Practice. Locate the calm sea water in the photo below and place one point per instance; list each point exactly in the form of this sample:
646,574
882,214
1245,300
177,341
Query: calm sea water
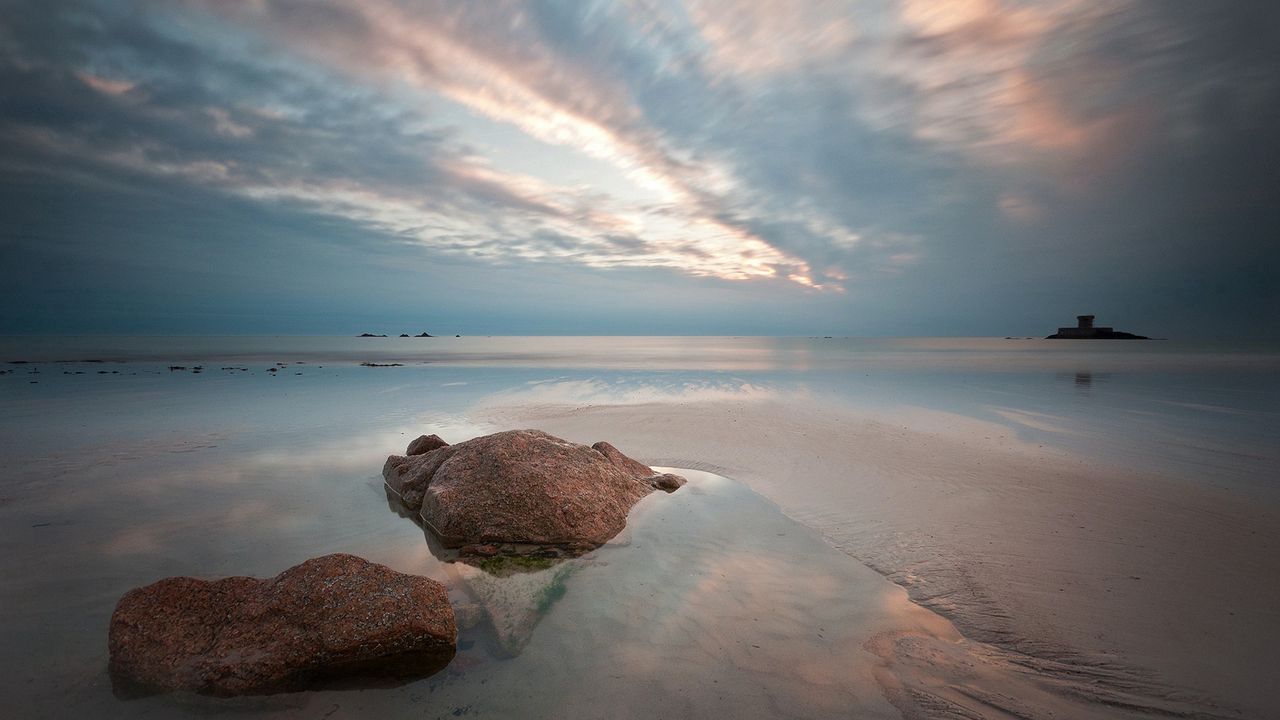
116,470
1182,408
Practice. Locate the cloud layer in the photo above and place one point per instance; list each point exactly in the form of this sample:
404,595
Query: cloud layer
864,165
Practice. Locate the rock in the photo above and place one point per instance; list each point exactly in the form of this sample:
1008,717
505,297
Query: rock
524,487
370,335
337,619
1101,334
408,477
424,334
1086,330
425,443
667,481
622,462
486,550
404,334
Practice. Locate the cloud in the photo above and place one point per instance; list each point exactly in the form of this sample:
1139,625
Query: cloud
514,76
855,149
316,139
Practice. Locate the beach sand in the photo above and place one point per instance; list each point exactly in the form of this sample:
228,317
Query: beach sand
1140,593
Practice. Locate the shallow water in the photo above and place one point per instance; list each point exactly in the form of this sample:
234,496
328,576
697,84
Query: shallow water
1186,409
692,611
114,474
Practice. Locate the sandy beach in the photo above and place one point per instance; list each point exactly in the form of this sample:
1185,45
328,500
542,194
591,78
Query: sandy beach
1142,593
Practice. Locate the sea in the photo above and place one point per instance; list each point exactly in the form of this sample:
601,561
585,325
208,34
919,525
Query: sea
127,459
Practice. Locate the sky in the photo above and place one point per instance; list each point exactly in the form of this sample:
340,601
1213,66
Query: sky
881,168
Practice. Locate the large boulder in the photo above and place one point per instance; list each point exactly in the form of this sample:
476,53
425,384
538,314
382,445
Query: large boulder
337,619
522,486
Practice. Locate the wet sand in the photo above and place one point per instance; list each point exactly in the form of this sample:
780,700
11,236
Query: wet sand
1139,593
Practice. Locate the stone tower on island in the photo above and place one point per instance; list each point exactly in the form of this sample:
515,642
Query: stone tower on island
1085,330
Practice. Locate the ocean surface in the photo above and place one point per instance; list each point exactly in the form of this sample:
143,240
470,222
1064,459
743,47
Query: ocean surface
1210,410
125,460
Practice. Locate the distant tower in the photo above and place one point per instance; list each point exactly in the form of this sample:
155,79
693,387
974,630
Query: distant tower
1085,329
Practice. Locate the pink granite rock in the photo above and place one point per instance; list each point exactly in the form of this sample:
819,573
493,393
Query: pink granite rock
425,444
523,486
337,619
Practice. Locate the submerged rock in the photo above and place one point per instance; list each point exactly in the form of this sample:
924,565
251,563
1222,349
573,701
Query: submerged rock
337,619
521,487
667,482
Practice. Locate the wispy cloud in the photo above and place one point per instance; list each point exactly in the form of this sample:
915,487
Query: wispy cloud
493,60
817,149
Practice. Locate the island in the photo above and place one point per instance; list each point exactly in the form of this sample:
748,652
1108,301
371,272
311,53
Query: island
369,335
1084,330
